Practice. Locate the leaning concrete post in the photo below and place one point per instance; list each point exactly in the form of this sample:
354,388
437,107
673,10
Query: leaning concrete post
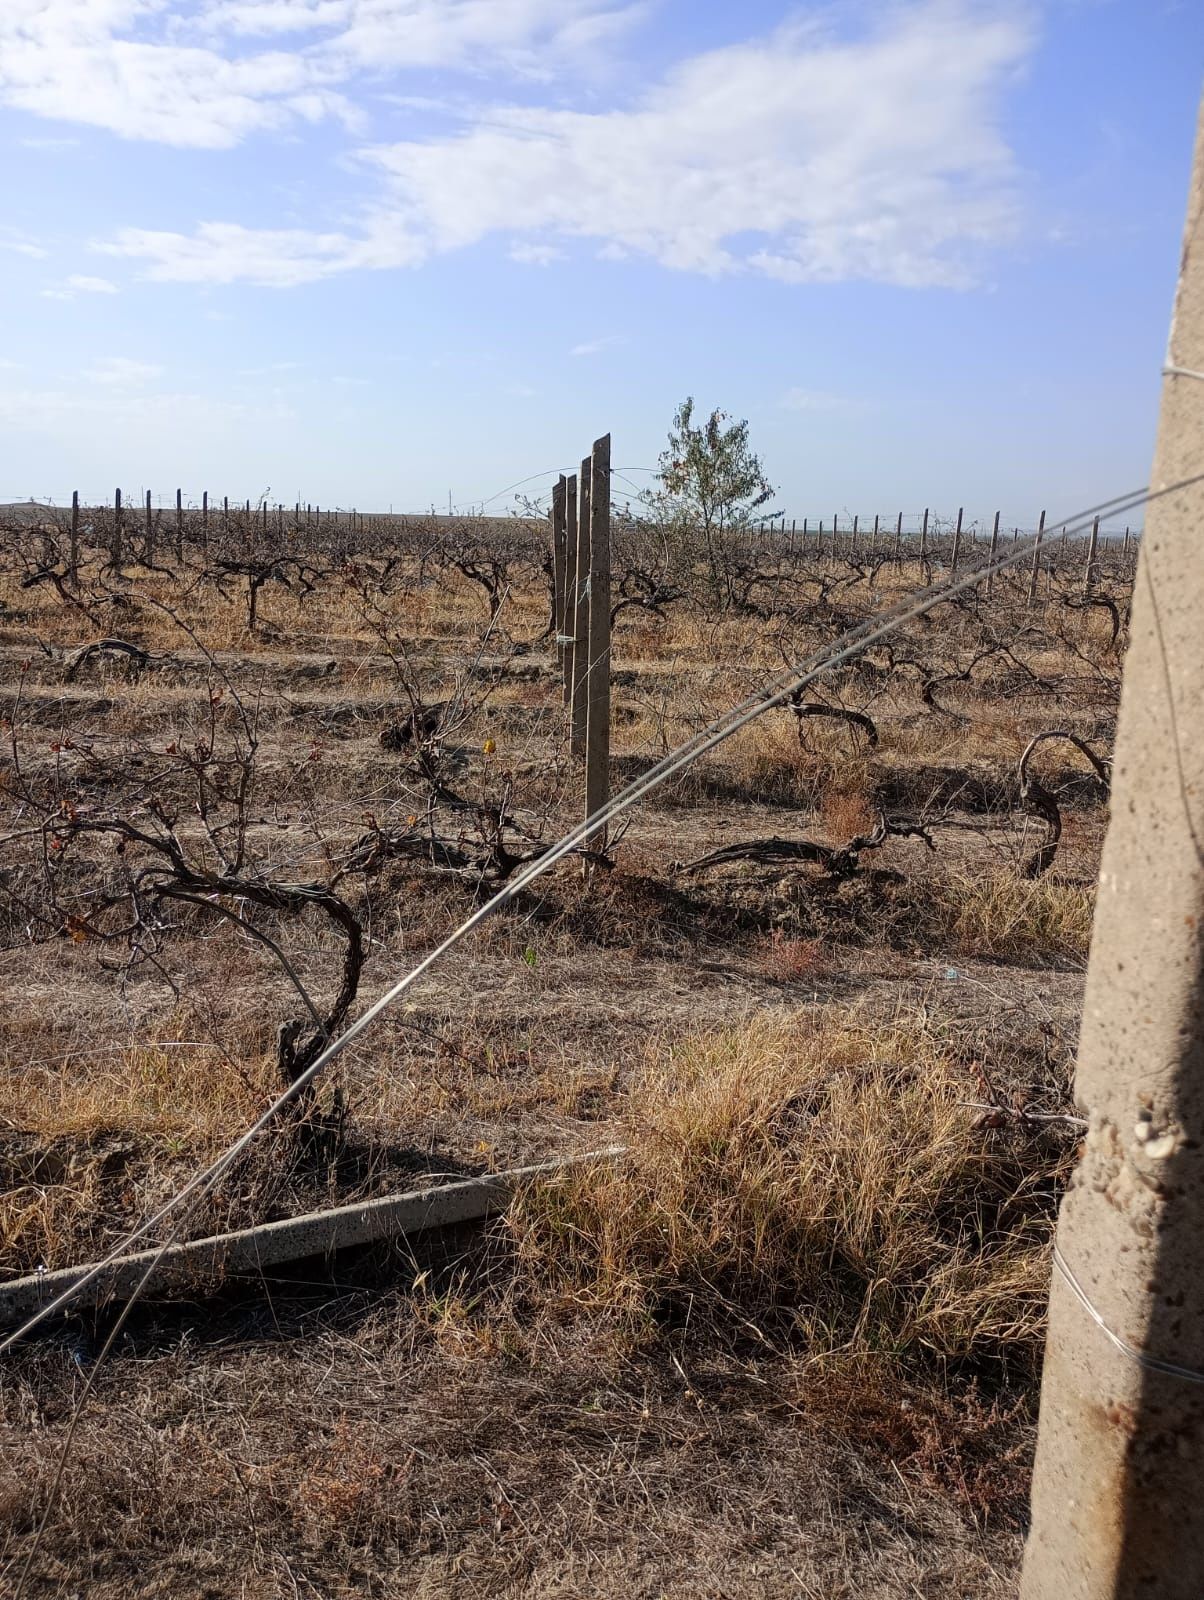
1118,1511
957,539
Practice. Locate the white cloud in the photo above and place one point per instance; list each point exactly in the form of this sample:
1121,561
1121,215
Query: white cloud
802,156
594,347
79,283
818,400
121,372
179,73
114,64
532,254
47,143
20,246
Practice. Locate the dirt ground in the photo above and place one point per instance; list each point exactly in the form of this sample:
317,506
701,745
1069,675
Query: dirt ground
427,1419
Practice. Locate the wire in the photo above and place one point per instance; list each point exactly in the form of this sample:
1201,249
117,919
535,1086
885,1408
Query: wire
845,648
848,645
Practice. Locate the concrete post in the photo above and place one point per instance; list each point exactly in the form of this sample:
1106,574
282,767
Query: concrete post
597,717
581,661
115,539
957,539
1035,574
557,517
924,538
73,557
994,547
1092,548
1118,1511
570,584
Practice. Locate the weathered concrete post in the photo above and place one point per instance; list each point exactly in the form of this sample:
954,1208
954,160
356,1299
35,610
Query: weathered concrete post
581,661
597,717
994,547
1035,573
1118,1510
1092,548
957,539
570,585
115,539
558,490
73,556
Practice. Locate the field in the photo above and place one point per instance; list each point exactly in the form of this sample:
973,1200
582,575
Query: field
824,986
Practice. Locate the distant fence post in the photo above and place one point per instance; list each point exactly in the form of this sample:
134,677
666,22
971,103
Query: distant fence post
581,661
225,516
1036,568
73,548
115,541
853,541
179,525
898,539
1125,550
957,540
148,549
558,568
874,538
597,727
570,585
924,538
991,557
1089,569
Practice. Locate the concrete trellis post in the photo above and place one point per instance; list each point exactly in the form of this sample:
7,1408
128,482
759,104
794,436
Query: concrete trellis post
570,585
1036,567
1117,1508
73,556
957,540
597,726
898,539
994,547
115,541
557,518
581,661
1089,569
179,525
148,551
924,538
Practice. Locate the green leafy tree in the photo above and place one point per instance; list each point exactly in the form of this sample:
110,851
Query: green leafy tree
712,488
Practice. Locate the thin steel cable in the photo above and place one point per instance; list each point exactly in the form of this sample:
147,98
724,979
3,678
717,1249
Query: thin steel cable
844,648
1148,1363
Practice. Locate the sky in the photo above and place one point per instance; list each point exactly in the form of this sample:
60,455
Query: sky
391,253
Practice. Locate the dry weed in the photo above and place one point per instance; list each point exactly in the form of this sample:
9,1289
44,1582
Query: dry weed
807,1175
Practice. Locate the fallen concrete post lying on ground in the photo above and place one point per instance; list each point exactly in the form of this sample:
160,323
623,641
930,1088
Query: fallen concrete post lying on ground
291,1239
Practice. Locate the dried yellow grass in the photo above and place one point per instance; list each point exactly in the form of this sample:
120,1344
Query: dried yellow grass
800,1172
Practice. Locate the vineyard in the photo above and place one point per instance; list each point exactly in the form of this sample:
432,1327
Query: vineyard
823,987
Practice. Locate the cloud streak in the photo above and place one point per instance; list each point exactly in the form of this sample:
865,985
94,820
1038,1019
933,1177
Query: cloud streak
802,156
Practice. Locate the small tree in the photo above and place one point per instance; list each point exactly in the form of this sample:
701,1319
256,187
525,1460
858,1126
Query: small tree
712,484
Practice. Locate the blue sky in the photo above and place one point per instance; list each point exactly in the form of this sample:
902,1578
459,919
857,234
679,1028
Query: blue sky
375,251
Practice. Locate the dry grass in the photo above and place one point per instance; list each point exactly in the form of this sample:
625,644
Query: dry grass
1002,916
805,1177
740,1363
